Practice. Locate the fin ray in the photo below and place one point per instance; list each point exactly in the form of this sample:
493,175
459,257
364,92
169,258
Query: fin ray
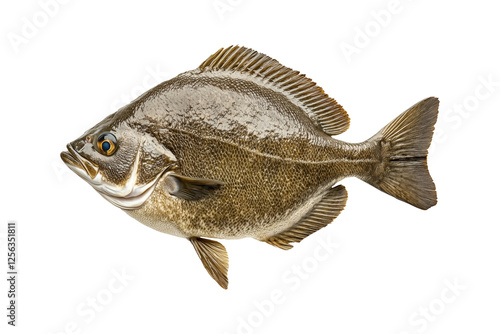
214,257
322,214
404,143
190,188
322,109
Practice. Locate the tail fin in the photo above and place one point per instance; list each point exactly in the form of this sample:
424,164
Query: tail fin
404,143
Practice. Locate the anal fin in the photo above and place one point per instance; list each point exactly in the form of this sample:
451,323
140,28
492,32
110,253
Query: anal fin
322,214
214,257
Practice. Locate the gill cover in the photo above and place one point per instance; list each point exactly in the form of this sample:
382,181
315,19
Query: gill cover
123,166
132,194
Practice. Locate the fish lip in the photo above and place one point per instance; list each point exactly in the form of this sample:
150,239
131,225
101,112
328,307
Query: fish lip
72,158
135,200
132,198
68,159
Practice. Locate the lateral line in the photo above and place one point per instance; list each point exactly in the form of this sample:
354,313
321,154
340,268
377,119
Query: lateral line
272,156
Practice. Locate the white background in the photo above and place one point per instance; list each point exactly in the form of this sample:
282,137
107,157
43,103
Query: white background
393,264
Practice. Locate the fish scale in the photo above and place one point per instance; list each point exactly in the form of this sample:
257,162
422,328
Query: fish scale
242,147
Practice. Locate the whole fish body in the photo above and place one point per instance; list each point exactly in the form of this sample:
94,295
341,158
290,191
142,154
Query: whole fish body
242,147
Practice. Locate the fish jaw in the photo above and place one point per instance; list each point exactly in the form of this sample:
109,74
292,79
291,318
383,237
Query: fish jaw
129,196
79,164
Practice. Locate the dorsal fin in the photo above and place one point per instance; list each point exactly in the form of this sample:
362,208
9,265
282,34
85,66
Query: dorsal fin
301,90
322,214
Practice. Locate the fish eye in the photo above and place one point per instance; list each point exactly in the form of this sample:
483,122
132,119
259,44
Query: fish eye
106,143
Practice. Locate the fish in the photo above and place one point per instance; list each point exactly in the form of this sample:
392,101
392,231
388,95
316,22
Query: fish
243,147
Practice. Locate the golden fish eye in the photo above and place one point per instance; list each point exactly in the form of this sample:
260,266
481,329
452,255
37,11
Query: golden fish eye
106,143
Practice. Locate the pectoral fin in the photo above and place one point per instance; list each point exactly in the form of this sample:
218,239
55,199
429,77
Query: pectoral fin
189,188
213,255
322,214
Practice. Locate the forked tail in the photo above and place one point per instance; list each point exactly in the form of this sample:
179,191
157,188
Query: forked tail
404,142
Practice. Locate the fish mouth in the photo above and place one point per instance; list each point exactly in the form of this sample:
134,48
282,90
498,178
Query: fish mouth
129,196
77,163
136,196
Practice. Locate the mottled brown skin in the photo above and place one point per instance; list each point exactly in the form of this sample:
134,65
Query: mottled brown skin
270,156
241,147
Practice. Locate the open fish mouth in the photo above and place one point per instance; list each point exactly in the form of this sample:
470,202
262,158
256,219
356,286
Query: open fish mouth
78,164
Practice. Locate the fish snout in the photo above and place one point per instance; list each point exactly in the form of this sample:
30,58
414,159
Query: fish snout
75,160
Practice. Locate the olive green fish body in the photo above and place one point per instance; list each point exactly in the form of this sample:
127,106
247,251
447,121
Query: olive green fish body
272,159
243,147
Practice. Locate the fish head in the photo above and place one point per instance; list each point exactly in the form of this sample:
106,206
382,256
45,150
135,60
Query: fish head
122,162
